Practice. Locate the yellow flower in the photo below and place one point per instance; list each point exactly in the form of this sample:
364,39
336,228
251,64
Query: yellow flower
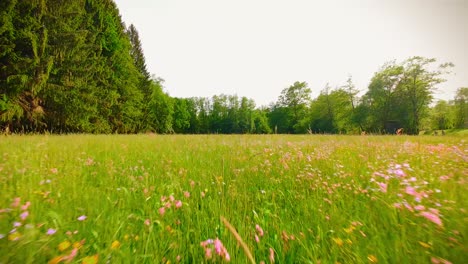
372,258
64,245
338,241
350,229
56,260
14,236
426,245
77,245
91,259
115,244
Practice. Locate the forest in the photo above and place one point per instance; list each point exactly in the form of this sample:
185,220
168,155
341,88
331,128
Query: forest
75,67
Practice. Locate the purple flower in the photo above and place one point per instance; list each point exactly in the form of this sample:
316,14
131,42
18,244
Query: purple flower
51,231
16,224
24,215
82,218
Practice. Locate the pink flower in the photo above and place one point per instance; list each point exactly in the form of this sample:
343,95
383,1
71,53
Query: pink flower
24,215
257,239
208,253
16,202
54,170
192,183
163,199
432,217
272,255
72,255
82,218
16,224
171,198
419,207
259,230
444,178
187,194
397,205
26,206
399,172
162,210
178,204
383,186
147,222
218,246
411,191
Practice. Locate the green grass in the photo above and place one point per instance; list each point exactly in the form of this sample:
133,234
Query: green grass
317,198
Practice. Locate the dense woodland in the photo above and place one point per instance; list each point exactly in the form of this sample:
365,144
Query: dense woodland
75,67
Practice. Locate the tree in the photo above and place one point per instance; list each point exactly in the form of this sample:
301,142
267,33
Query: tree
181,115
441,116
295,100
461,108
417,87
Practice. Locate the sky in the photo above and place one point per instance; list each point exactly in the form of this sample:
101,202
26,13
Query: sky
256,48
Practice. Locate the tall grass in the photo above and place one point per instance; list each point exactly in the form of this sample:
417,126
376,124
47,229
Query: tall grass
290,199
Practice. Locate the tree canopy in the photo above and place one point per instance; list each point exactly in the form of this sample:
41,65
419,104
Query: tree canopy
75,67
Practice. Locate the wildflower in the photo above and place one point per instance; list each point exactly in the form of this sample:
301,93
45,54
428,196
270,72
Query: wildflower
56,260
419,207
147,222
208,253
171,198
218,246
91,259
338,241
54,170
16,224
411,191
115,244
26,206
257,239
192,183
399,172
64,245
202,194
444,178
187,194
383,186
72,255
372,258
432,217
259,230
16,202
24,215
14,236
272,255
89,162
82,218
162,210
426,245
178,204
51,231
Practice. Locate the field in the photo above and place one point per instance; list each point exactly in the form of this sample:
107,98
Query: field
243,199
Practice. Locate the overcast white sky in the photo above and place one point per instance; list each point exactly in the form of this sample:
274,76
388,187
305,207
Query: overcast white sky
256,48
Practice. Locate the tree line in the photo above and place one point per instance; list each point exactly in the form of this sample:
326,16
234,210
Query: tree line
75,67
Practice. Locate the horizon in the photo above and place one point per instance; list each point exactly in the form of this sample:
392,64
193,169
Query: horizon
214,47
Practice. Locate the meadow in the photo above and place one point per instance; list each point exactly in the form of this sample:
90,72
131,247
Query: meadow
239,198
